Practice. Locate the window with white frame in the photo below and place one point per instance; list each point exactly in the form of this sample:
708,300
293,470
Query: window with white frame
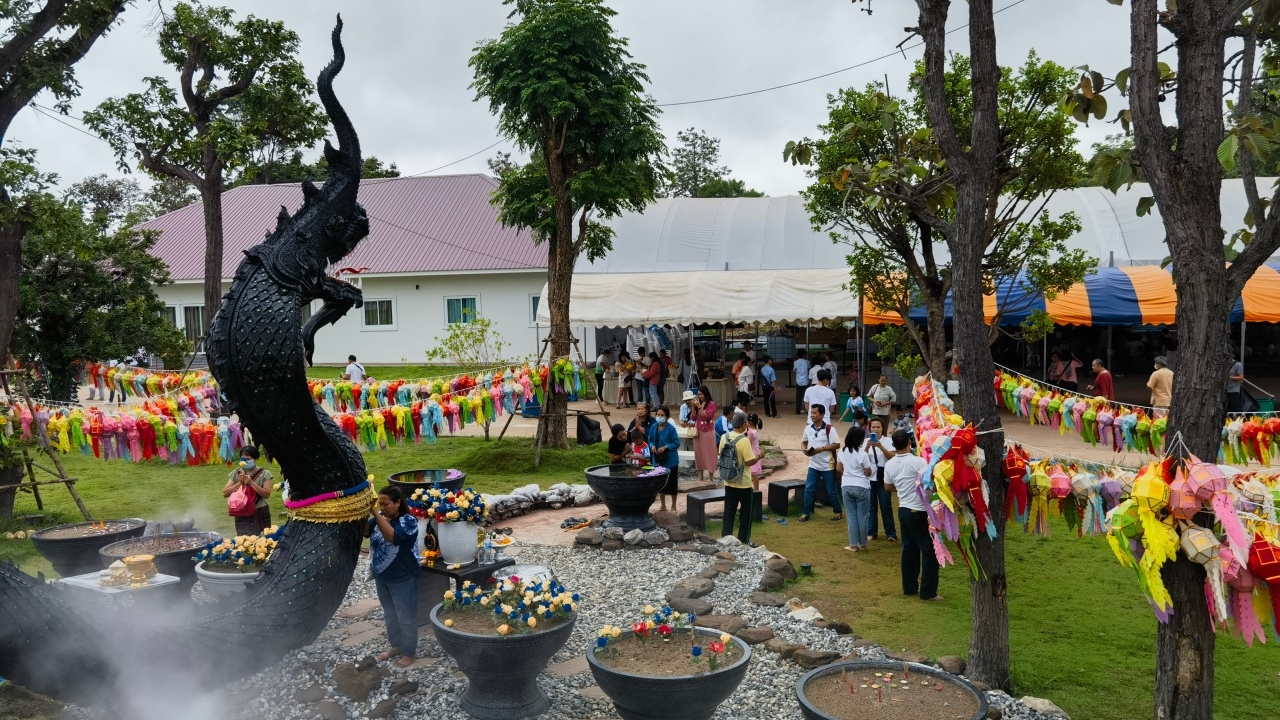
379,314
170,315
461,309
305,313
534,301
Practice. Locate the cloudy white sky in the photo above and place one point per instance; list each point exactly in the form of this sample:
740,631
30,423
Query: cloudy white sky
406,81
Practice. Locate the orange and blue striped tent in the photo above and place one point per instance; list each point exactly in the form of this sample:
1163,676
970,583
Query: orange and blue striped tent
1130,295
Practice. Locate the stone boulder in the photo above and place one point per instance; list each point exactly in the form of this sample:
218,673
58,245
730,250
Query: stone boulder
729,541
633,537
805,614
767,599
666,518
709,573
315,693
690,605
613,533
724,623
330,710
782,566
679,532
589,536
1044,707
840,628
908,657
810,659
655,537
355,684
953,664
382,709
782,647
611,544
725,555
708,550
694,587
770,580
755,635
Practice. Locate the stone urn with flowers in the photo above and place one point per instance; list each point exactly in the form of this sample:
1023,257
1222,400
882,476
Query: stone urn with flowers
662,667
502,637
227,567
456,515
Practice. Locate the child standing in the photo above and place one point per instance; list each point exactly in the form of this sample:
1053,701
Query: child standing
902,420
639,455
753,434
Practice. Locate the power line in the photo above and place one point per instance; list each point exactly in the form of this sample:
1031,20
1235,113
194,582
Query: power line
45,112
829,74
427,172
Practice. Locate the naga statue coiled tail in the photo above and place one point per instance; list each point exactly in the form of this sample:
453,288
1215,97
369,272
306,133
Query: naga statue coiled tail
258,350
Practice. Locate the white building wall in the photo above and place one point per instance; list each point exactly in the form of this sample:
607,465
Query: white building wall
418,309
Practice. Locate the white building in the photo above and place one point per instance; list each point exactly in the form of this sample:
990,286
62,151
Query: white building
435,254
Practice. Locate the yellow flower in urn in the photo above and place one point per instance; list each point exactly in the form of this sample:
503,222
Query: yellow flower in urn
504,629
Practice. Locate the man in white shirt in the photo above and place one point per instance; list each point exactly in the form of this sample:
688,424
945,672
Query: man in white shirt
354,373
821,394
919,563
801,369
830,365
820,441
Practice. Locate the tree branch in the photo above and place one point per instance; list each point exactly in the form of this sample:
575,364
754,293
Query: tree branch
157,164
39,26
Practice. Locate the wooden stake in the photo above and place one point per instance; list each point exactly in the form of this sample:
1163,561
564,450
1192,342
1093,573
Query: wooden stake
43,437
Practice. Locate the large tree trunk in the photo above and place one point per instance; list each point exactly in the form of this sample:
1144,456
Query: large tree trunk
10,270
1185,179
11,475
211,201
935,355
973,162
553,423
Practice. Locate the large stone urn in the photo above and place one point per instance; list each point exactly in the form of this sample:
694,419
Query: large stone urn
628,492
502,671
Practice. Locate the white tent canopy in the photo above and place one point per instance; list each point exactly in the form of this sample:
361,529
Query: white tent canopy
684,298
705,260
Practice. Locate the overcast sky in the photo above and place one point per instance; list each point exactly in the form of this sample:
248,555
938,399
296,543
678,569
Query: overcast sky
406,80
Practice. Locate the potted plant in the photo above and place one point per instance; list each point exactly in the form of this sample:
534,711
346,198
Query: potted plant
664,667
456,514
226,568
502,638
866,688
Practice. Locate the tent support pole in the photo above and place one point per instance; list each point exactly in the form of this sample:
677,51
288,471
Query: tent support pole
1044,358
693,366
1243,324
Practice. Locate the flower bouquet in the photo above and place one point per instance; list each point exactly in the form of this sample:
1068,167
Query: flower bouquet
510,607
502,638
242,553
664,666
456,515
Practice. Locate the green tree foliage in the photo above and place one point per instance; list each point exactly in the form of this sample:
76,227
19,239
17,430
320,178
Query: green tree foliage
88,289
694,170
564,89
882,186
295,170
166,195
40,44
241,94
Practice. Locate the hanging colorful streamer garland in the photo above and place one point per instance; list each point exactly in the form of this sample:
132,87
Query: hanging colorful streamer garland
1151,514
168,429
1122,427
951,485
124,380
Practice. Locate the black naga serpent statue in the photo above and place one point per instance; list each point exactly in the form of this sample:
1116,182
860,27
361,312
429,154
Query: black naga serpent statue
257,350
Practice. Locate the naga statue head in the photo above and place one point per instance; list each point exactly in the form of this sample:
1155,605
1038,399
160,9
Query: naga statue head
330,222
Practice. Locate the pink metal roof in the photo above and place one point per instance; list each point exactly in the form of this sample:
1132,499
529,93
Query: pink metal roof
416,224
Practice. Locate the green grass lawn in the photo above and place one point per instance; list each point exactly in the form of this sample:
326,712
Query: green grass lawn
155,490
1081,633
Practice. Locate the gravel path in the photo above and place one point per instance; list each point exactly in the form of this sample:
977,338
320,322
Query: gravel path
615,586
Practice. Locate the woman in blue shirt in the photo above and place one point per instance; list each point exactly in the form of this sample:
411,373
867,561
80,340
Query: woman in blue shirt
664,443
393,534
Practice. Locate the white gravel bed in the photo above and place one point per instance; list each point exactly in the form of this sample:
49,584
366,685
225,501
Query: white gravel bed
614,587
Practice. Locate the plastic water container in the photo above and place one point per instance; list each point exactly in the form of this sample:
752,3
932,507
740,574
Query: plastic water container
1266,405
532,409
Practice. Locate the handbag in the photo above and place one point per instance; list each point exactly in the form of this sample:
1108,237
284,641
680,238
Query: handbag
243,502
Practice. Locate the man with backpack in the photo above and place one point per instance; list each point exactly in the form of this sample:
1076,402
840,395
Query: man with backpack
820,442
736,459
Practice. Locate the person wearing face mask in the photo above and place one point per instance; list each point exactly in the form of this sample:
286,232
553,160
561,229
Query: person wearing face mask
258,480
664,442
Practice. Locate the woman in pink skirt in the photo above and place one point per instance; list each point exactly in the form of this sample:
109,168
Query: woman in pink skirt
705,457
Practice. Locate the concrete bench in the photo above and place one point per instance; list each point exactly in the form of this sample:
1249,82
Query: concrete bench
696,503
780,494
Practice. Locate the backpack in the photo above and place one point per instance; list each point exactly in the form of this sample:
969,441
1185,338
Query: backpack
730,468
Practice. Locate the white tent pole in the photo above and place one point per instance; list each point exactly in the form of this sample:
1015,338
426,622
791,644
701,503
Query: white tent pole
1243,323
